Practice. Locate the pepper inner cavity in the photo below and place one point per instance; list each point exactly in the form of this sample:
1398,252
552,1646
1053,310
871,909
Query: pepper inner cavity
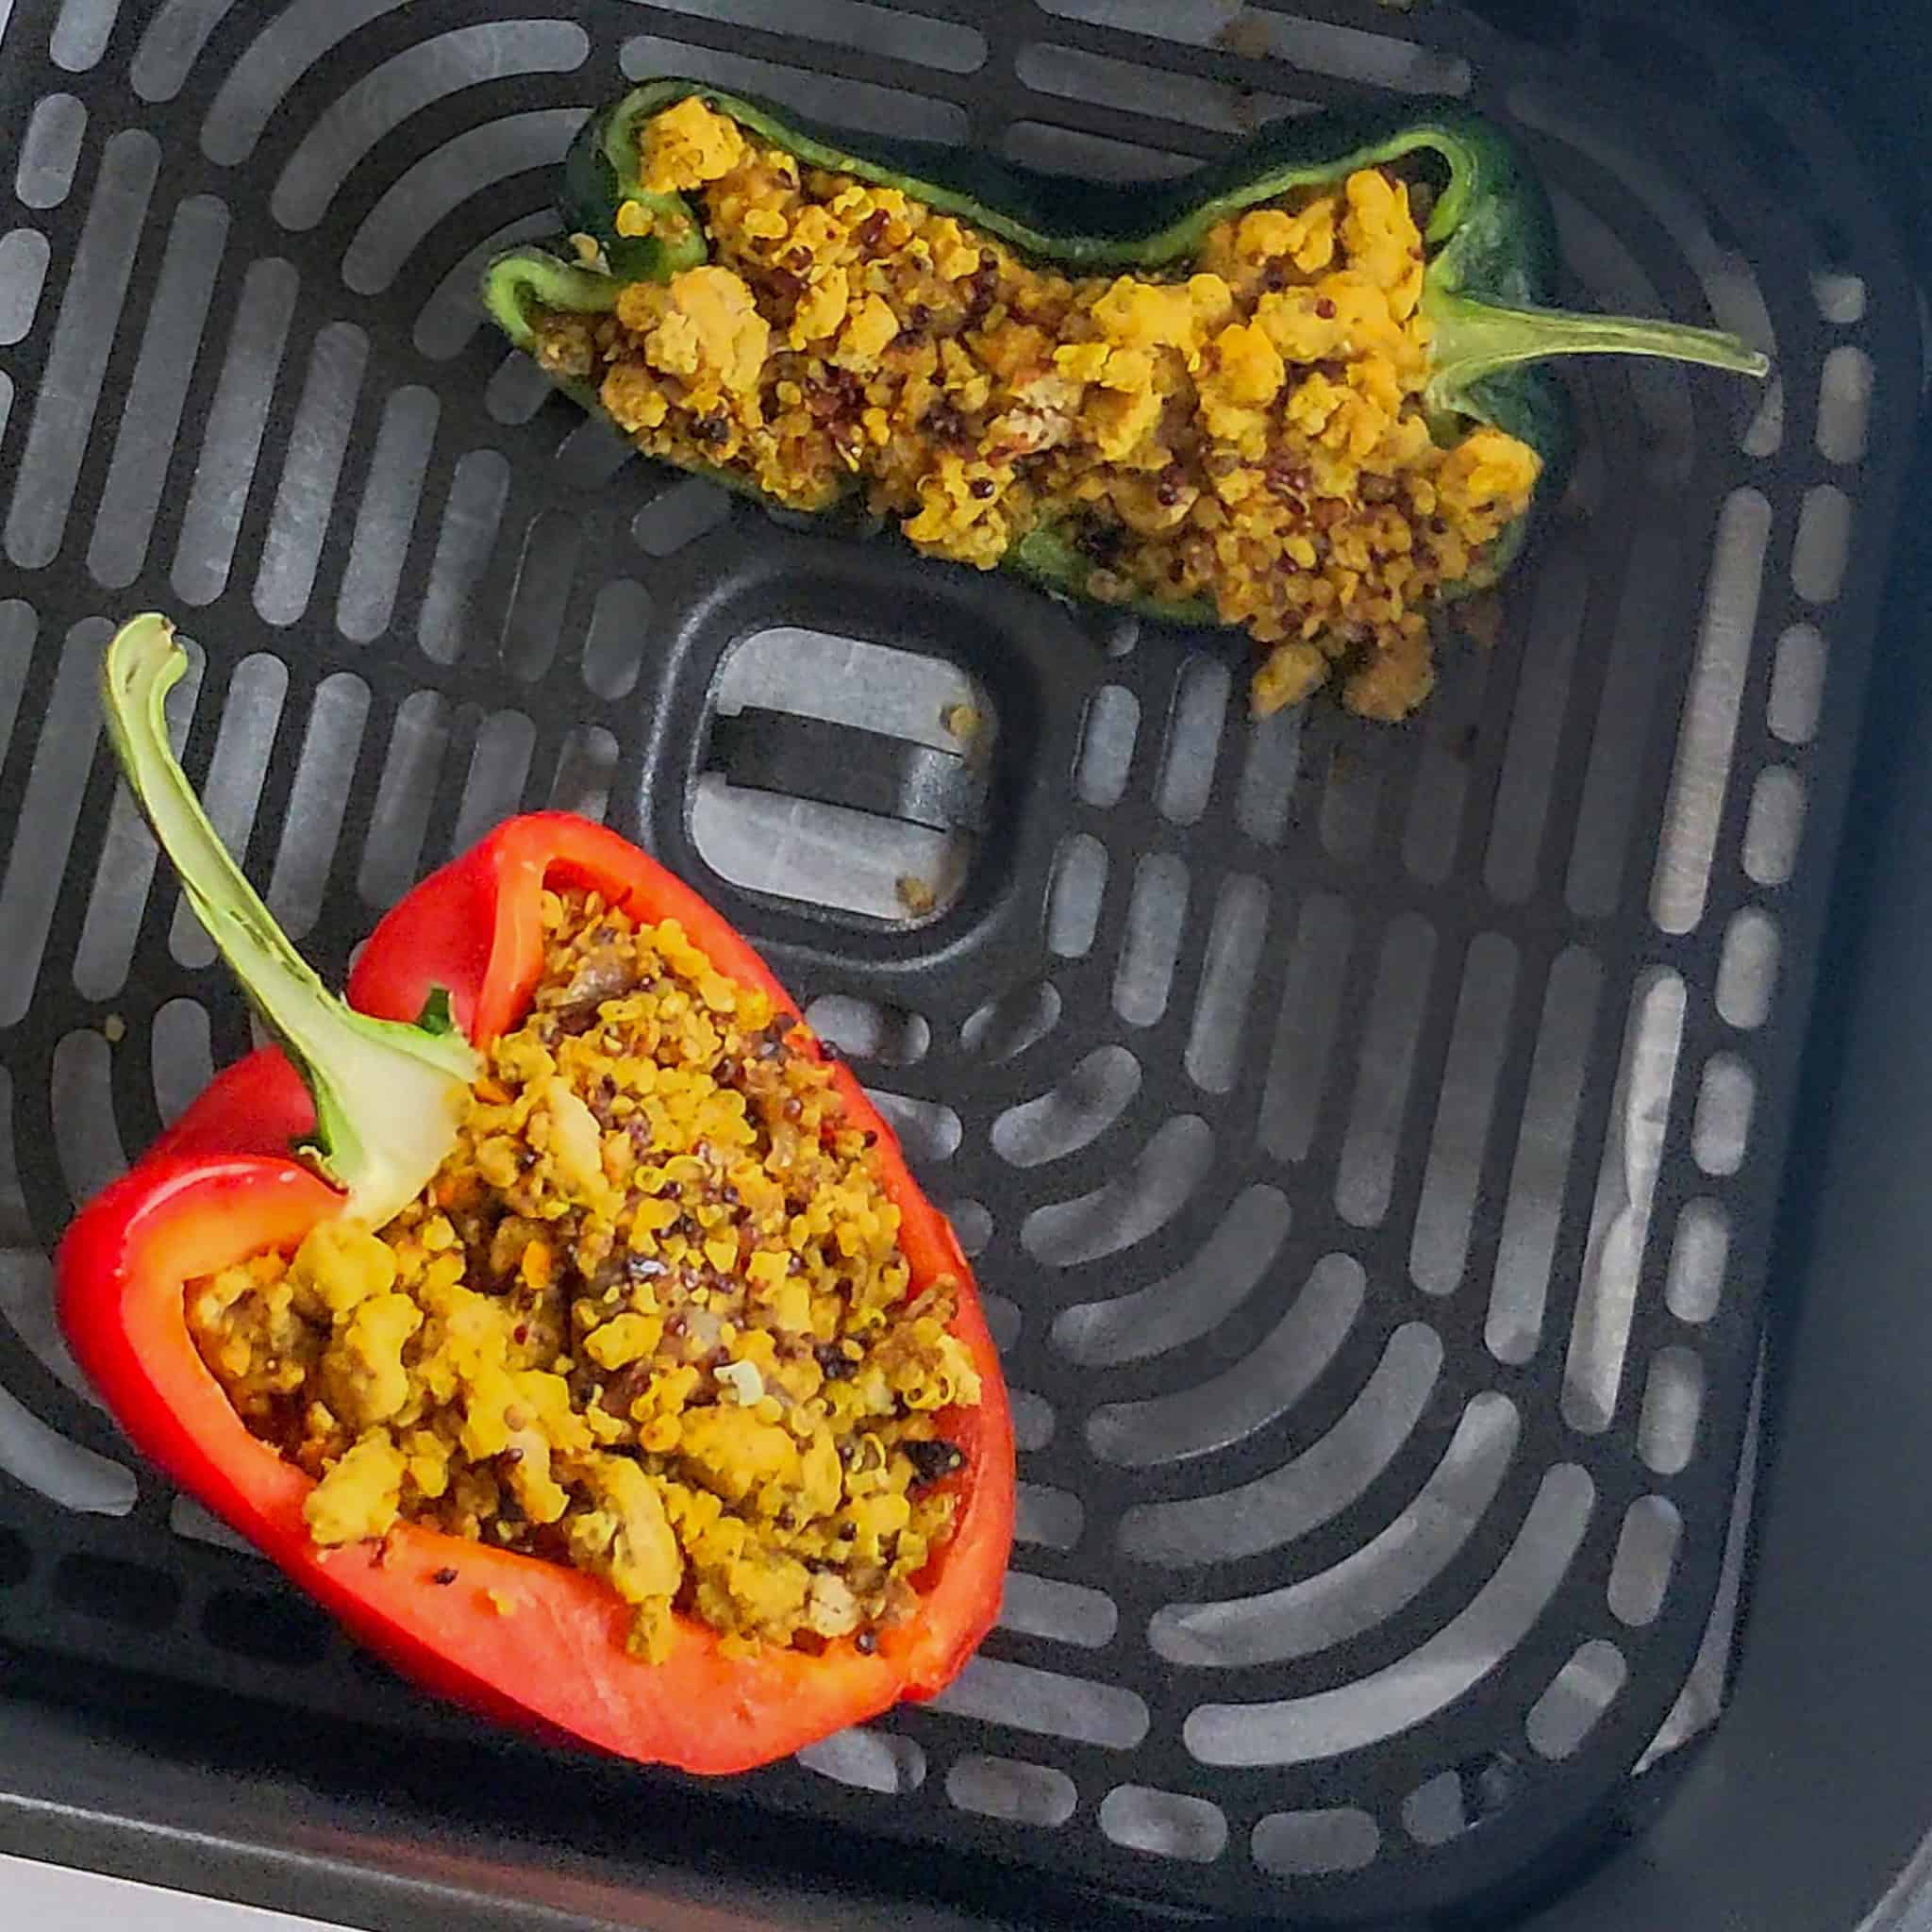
1252,434
651,1319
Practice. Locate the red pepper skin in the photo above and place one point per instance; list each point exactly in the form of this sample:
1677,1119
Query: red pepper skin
526,1641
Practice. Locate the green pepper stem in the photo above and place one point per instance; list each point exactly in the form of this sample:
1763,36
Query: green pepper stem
1476,339
388,1097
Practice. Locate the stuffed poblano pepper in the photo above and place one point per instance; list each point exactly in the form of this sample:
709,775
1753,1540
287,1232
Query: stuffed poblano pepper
1293,393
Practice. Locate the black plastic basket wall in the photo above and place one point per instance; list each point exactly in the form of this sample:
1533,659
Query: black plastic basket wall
1367,1137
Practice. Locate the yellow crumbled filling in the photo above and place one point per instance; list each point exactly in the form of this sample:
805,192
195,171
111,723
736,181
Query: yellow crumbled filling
651,1319
1251,435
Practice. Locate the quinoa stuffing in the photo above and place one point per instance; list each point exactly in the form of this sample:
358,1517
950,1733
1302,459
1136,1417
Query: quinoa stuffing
650,1320
1252,436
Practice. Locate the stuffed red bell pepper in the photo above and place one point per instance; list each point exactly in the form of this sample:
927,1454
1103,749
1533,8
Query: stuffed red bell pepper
596,1360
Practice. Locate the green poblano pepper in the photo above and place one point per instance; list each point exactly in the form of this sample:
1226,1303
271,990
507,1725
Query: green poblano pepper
1491,240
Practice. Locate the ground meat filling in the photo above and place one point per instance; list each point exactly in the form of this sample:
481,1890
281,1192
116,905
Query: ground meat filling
651,1319
1252,434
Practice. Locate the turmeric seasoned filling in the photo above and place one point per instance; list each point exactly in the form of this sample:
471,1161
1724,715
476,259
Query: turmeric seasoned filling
651,1319
1251,435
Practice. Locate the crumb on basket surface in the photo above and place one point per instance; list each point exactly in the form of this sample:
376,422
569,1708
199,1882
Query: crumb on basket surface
1252,434
651,1319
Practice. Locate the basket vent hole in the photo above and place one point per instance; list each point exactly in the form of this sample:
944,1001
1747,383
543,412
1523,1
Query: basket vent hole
1268,776
546,571
928,1131
1773,826
63,1472
679,514
1183,1305
1074,1114
1003,1320
1646,1553
1052,1518
1434,1813
128,1594
1047,1703
862,105
1017,1794
467,540
1626,1185
1074,895
1274,1375
586,766
1764,434
516,390
251,712
1530,756
1143,1197
1059,1612
1215,1045
1845,405
1706,741
1296,1845
1367,1587
49,150
85,1132
183,1056
186,1516
68,730
312,821
1840,296
1824,544
1582,1691
614,644
16,1561
1005,1027
1107,745
1164,1824
1305,1027
1673,1401
23,256
1299,1495
1157,917
1465,1107
1350,800
1054,150
868,1760
1721,1128
385,517
1365,1174
1747,969
1033,1420
271,1629
1193,741
311,470
1519,1286
393,846
451,315
1127,86
973,1226
1797,684
590,453
1695,1285
499,768
867,1030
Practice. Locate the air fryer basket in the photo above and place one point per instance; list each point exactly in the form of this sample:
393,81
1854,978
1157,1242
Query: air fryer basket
1369,1140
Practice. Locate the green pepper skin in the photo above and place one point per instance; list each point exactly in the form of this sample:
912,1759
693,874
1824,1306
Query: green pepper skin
1490,237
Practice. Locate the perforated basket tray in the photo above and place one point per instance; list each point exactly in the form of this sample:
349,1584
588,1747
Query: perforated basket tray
1367,1136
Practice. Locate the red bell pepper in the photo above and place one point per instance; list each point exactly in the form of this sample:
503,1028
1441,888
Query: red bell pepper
521,1639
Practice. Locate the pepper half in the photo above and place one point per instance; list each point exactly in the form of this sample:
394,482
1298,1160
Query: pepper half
375,1088
1491,270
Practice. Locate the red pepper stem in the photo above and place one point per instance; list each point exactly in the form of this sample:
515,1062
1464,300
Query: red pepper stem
388,1097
